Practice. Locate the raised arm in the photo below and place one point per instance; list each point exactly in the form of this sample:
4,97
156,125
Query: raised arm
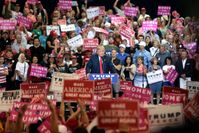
115,3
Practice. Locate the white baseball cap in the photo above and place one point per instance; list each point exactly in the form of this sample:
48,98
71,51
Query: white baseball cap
62,129
122,45
142,43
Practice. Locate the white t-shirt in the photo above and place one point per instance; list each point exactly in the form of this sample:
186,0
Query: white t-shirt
23,69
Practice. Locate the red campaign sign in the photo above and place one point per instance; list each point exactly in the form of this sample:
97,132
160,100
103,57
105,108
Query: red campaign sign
61,21
76,89
164,10
97,29
130,11
114,113
32,1
191,110
28,91
172,95
90,43
81,73
126,31
103,87
38,71
125,86
24,21
134,92
171,75
45,127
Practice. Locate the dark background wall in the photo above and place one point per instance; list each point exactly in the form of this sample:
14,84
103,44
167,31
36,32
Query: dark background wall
184,7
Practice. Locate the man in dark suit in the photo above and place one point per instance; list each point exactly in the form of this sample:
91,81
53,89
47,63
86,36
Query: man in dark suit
184,66
100,63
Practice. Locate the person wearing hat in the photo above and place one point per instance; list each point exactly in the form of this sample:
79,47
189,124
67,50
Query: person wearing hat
142,52
122,55
50,41
75,65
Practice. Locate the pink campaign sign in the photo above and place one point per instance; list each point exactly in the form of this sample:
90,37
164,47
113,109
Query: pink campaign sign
117,20
24,21
149,25
164,10
38,71
126,31
7,24
65,5
130,11
171,75
32,1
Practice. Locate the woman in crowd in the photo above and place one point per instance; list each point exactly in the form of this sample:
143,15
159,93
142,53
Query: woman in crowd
75,65
140,74
128,69
3,72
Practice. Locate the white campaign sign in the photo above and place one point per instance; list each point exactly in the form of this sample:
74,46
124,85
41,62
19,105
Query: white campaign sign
92,12
49,28
161,116
154,77
193,88
66,28
75,41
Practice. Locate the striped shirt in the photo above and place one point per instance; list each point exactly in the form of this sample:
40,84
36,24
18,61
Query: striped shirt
3,76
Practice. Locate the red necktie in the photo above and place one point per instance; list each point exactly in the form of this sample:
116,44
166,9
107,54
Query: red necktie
101,68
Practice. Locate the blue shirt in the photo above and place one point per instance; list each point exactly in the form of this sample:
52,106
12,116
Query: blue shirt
145,54
122,57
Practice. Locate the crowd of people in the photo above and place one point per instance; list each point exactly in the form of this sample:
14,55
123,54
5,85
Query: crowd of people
131,58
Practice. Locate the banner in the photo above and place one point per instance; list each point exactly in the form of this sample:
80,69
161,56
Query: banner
28,91
171,75
149,25
61,21
126,31
7,98
67,28
191,110
81,73
117,20
164,10
130,11
114,113
155,76
45,127
24,21
134,92
193,88
161,116
78,89
191,47
38,71
172,95
7,24
114,77
32,1
75,42
49,28
90,44
92,12
58,78
103,88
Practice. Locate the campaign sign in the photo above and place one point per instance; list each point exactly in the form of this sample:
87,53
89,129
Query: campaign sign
38,71
65,5
28,91
193,88
92,12
130,11
161,116
45,127
114,113
67,28
117,20
114,77
155,76
7,24
164,10
58,78
76,89
172,95
191,110
81,72
103,88
100,30
49,28
7,98
149,25
76,41
90,43
171,75
126,31
24,21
